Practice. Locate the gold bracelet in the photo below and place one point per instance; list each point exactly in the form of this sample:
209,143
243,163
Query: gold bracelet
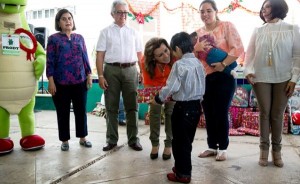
223,64
100,76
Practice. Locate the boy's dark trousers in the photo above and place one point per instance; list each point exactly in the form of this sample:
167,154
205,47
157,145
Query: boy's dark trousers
185,117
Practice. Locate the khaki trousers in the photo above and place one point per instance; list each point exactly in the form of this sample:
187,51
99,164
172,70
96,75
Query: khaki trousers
272,102
155,123
123,80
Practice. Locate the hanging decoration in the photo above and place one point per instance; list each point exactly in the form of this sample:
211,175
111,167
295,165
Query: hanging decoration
233,5
174,9
236,4
142,17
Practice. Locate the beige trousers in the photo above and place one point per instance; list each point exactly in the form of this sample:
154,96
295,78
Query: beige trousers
272,101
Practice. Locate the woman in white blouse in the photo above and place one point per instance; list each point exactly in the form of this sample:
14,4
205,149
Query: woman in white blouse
272,67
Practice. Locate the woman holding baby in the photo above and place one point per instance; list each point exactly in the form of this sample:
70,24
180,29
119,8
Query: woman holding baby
220,86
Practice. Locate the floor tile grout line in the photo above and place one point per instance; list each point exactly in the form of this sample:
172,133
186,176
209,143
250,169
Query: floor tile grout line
128,177
91,162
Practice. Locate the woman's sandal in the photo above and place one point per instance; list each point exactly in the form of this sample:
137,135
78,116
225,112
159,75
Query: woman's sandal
221,156
208,153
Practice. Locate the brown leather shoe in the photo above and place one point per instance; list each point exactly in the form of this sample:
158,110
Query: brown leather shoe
263,158
277,160
109,147
136,146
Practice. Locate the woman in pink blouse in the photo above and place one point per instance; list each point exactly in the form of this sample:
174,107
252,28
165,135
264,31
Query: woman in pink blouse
220,87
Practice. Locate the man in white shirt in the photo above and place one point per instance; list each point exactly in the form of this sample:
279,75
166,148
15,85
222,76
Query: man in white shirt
120,48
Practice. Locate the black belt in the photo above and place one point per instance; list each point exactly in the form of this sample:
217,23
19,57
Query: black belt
122,65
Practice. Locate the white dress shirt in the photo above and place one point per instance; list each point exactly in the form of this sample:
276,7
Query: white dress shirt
120,44
283,40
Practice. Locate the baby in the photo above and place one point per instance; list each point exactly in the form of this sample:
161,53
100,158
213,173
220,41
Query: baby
215,55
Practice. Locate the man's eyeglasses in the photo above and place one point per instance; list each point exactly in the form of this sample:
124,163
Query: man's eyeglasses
121,13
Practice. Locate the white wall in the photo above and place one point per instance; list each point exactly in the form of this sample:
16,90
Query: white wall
93,15
90,17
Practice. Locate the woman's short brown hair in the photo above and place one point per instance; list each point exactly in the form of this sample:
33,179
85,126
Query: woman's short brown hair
58,16
279,9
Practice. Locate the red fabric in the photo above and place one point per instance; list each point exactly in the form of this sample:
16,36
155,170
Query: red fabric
146,94
237,115
251,122
147,119
248,131
32,142
235,132
7,146
159,78
296,117
202,122
30,52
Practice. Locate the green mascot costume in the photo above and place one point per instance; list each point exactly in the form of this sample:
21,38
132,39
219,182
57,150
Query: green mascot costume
21,65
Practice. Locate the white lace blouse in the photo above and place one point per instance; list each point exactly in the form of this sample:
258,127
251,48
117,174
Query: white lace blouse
273,53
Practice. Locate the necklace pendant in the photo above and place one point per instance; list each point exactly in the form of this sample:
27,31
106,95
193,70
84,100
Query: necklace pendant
270,58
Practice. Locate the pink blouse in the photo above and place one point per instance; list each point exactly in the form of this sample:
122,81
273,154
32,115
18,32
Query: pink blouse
227,38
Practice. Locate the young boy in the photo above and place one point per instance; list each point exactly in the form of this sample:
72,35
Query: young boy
186,85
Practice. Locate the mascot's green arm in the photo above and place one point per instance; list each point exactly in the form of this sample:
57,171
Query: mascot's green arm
40,55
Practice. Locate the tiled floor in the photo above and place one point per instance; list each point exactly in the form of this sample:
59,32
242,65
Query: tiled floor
123,165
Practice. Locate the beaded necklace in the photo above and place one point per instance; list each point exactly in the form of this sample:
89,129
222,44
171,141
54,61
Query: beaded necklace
271,43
